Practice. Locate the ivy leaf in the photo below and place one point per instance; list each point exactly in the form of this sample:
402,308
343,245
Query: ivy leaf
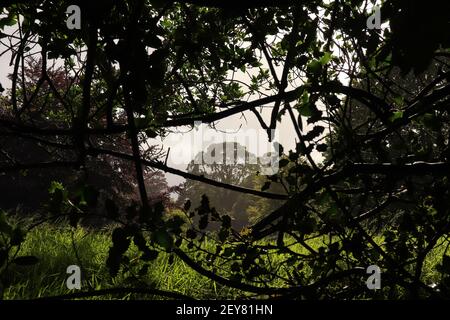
396,116
305,110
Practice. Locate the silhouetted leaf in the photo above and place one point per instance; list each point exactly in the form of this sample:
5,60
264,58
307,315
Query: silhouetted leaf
163,238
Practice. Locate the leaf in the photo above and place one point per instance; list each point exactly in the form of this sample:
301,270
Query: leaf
113,261
163,238
25,260
314,133
430,121
120,240
10,20
151,40
223,234
140,241
396,115
54,186
322,147
226,221
314,66
151,133
325,58
305,110
203,222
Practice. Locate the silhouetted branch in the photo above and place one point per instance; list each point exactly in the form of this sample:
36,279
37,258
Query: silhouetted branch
161,166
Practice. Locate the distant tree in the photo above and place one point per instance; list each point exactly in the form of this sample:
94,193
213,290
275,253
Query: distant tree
229,163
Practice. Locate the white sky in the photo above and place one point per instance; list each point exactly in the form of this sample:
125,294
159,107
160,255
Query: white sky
182,148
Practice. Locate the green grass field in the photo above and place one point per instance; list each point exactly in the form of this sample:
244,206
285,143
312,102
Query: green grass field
56,251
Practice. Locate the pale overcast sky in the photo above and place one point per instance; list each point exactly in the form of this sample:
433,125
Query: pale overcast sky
182,147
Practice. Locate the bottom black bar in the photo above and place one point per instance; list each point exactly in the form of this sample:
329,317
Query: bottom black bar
261,309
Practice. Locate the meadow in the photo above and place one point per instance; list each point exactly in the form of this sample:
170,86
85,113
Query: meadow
57,247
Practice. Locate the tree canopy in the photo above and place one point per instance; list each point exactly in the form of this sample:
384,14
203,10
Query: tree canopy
372,101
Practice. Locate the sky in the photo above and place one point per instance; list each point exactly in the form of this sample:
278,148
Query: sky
243,128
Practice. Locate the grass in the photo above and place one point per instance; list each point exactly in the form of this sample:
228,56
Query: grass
56,251
54,248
